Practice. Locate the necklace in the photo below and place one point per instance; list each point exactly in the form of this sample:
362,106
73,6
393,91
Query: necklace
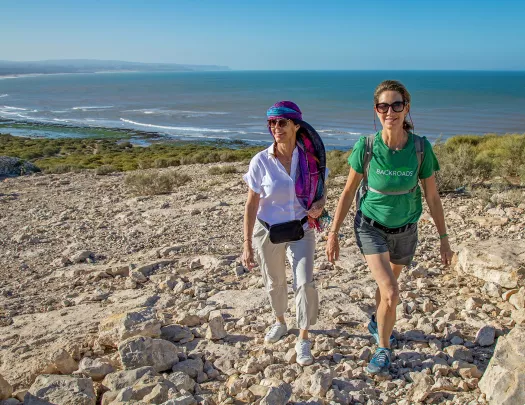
285,159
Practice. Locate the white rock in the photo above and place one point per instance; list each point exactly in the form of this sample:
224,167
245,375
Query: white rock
215,329
61,390
5,389
504,380
140,351
119,327
486,336
493,261
97,369
63,362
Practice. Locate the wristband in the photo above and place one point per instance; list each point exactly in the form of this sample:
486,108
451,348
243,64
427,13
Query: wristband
443,236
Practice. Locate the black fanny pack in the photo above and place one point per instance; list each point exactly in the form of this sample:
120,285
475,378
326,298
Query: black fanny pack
286,231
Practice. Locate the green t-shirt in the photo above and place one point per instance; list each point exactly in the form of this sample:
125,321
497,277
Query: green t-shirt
393,171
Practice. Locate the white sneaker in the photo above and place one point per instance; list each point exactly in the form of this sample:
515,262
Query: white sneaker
303,348
277,331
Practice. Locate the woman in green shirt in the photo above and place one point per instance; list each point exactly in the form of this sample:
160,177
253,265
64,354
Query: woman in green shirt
390,163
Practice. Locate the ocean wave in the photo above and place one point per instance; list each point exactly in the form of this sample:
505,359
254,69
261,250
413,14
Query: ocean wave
337,132
3,95
189,129
93,107
14,108
191,113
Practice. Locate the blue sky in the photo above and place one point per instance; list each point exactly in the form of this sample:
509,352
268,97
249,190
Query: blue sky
271,34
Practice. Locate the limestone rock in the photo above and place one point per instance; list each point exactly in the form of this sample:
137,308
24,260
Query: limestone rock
176,333
61,390
138,322
504,380
12,166
126,378
321,381
97,369
5,389
458,352
64,362
422,385
215,329
485,336
182,381
277,395
518,316
493,261
518,299
143,351
192,367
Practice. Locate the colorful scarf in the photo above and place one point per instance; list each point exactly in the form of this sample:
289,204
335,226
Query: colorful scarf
310,173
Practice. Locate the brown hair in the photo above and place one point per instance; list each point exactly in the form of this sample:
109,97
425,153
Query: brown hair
394,85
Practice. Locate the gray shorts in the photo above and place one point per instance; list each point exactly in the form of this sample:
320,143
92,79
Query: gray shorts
372,240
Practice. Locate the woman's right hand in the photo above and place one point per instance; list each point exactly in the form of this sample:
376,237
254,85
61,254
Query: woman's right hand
247,256
332,247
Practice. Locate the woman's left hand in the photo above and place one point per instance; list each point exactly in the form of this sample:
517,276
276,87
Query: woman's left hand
446,252
317,208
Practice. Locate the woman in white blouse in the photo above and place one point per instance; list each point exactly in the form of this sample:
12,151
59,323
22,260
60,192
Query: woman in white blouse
285,199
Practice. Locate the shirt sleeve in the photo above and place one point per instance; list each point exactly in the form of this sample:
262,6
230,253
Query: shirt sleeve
430,164
254,175
356,157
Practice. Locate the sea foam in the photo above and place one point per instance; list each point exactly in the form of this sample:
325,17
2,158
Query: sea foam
189,129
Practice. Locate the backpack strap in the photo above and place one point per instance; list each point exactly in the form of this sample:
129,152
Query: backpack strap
420,151
367,157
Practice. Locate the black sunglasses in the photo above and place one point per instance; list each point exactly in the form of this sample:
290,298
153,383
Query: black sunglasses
397,106
281,122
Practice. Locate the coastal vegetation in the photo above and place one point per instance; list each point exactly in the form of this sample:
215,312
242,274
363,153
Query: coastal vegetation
466,161
153,183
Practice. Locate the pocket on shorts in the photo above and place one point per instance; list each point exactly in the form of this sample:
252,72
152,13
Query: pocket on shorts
370,240
403,245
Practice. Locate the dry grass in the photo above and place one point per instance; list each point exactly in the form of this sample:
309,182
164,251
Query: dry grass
154,182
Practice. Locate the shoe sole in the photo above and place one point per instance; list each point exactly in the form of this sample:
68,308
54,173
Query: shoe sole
305,363
275,341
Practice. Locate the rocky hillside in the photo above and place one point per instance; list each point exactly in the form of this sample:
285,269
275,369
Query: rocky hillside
108,298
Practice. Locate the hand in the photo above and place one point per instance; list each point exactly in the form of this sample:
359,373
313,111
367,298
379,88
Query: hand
446,252
317,208
247,256
332,247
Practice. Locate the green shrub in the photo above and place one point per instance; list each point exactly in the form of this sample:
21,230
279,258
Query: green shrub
154,183
215,170
104,170
337,162
59,169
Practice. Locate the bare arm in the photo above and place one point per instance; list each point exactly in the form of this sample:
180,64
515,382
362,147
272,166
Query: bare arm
343,206
436,211
250,214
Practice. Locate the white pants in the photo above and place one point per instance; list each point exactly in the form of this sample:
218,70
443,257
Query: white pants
271,259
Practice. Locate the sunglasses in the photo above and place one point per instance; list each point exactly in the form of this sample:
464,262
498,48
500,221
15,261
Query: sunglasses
397,106
281,122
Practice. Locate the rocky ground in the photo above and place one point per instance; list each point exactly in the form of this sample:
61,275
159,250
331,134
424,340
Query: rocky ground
107,298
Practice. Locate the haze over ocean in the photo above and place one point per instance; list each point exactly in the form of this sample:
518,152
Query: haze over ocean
232,105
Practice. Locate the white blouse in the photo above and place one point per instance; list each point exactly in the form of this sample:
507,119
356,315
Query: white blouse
268,177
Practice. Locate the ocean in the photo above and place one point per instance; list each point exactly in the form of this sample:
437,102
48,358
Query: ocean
232,105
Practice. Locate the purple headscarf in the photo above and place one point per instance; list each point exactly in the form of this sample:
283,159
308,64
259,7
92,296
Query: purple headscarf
310,174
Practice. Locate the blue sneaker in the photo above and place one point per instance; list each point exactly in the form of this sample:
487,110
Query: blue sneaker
380,363
372,328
